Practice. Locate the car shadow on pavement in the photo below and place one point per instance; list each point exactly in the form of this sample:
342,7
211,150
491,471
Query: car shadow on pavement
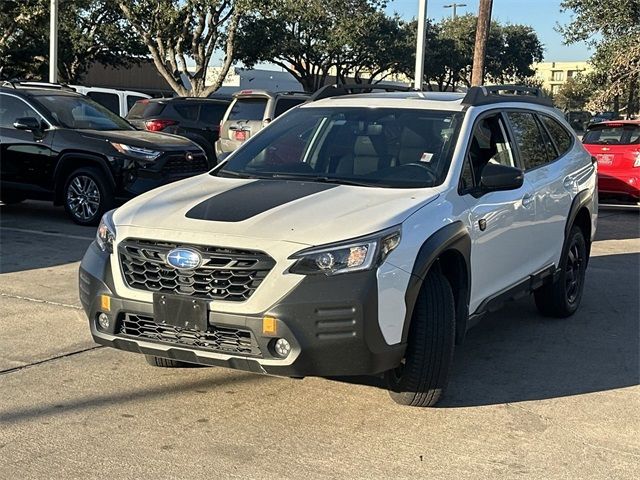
616,224
517,355
37,235
124,397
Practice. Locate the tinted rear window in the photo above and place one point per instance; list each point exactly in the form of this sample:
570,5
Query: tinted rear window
613,135
248,109
145,109
212,113
132,99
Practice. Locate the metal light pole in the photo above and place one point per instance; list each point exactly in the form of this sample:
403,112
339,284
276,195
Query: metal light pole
53,43
420,43
455,8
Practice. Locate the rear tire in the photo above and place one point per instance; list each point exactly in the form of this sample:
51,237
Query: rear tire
87,196
421,380
168,362
561,298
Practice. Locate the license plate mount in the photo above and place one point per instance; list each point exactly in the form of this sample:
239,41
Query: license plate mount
180,312
605,158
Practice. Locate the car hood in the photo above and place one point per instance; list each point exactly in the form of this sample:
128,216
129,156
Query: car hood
141,138
307,213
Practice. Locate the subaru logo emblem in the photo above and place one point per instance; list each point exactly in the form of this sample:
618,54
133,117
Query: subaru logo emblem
184,259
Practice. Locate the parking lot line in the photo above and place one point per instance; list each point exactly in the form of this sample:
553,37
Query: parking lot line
52,234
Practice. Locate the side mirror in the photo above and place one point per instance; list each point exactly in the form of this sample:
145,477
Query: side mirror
28,123
496,177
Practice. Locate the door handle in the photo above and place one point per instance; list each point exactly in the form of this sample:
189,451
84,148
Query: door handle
527,200
568,183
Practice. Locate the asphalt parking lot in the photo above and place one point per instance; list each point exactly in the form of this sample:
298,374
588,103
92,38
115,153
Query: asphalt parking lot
529,397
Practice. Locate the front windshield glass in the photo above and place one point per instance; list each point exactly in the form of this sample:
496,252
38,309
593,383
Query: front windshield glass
386,147
79,112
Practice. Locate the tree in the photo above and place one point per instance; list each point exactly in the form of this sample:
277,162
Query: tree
612,27
510,51
574,93
89,31
310,39
176,30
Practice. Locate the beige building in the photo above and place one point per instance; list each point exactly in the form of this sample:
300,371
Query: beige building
554,74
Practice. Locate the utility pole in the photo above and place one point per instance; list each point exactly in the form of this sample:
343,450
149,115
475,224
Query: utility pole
455,6
482,34
420,44
53,42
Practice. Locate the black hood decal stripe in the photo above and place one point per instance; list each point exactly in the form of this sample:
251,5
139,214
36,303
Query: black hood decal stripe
252,199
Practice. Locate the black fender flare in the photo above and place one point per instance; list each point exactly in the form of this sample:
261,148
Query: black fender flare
70,157
579,201
450,237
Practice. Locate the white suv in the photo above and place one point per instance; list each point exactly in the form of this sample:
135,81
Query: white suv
357,234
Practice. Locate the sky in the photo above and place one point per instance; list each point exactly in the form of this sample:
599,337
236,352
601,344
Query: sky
542,15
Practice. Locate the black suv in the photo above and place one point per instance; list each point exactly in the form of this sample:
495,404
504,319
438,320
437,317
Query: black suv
198,119
62,146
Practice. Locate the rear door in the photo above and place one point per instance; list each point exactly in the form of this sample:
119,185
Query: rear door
551,175
244,117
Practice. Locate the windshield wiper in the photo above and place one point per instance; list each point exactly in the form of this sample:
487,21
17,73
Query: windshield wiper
322,179
231,173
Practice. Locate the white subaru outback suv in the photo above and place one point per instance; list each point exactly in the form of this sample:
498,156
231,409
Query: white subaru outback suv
357,234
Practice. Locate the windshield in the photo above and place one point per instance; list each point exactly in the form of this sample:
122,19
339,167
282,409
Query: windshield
79,112
399,148
611,134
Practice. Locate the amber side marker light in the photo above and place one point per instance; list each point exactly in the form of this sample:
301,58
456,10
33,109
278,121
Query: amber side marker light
269,326
105,303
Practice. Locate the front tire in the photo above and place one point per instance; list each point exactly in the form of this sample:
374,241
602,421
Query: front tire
87,196
561,298
422,378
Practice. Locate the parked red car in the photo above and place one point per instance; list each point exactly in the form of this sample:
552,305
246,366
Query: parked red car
616,146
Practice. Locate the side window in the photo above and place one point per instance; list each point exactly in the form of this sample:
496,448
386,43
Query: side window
530,142
489,144
132,99
285,104
560,136
550,149
108,100
187,111
12,108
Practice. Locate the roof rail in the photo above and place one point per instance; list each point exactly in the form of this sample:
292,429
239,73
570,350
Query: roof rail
488,94
339,90
8,83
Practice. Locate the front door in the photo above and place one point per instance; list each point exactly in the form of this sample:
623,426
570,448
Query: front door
501,222
26,158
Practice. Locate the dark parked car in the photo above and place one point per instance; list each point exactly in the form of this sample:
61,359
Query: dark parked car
198,119
62,146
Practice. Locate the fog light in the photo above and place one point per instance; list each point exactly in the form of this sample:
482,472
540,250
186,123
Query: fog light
282,347
103,321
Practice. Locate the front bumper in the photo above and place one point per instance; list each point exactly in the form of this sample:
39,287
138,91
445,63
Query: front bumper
330,322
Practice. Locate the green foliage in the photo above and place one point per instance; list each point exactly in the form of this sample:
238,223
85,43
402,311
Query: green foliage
89,31
511,49
574,93
177,30
612,27
309,39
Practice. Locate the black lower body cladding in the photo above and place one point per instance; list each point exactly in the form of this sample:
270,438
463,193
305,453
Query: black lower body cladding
330,322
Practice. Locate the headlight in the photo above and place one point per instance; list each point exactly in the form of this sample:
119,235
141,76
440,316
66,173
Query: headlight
137,152
106,234
353,256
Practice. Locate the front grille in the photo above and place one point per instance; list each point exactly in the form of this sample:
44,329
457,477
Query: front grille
180,164
215,339
225,274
